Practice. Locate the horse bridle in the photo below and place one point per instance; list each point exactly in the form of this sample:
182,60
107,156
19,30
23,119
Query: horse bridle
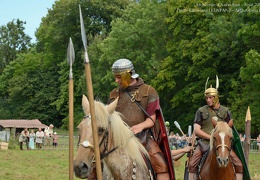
224,145
105,152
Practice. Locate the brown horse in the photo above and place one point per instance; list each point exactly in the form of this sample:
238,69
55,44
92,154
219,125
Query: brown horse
121,152
218,164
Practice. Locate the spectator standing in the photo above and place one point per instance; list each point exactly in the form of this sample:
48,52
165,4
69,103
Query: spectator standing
24,136
183,142
48,132
258,143
178,140
172,140
55,139
39,138
242,139
32,139
167,124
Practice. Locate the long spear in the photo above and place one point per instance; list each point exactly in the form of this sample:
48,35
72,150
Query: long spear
71,58
91,98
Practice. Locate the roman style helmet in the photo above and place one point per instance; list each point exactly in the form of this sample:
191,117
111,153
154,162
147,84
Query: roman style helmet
125,69
212,91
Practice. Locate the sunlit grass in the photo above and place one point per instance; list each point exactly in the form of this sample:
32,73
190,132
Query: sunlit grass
54,165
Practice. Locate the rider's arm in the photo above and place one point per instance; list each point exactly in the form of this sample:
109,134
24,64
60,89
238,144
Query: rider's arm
178,153
197,126
152,110
200,133
148,123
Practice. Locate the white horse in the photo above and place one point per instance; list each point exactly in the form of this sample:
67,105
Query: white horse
121,153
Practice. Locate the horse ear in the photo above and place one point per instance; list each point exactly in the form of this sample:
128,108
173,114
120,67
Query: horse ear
230,123
85,105
214,122
112,106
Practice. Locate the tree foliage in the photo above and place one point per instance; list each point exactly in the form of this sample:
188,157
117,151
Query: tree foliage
30,87
61,23
137,37
203,44
174,45
13,40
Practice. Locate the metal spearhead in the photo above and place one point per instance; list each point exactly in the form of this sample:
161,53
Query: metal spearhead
206,84
83,35
217,82
189,130
70,57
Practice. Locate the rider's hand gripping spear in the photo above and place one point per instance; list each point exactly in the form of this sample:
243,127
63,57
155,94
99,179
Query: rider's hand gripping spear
91,98
71,58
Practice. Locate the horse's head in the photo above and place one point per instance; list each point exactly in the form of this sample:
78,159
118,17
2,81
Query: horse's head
221,141
85,158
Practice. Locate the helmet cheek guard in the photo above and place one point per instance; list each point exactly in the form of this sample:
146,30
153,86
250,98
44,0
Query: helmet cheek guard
215,100
125,79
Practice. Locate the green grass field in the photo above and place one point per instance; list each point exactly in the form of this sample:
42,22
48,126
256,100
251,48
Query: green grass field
53,164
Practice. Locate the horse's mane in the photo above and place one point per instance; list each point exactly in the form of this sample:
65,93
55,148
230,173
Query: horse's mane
220,127
123,137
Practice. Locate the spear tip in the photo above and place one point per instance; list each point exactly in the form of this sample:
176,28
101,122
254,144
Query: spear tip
83,32
248,114
70,53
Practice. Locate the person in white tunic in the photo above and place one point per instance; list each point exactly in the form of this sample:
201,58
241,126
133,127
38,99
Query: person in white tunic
39,137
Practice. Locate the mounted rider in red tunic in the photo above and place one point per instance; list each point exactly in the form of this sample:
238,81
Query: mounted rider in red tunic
140,107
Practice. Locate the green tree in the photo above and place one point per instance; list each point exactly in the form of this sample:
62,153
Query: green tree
13,40
31,89
246,85
63,22
201,44
174,45
139,35
247,93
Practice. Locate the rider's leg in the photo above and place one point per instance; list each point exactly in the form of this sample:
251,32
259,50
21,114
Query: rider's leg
157,160
193,164
237,164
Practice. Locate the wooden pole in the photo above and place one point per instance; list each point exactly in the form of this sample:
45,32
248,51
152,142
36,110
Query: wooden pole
248,135
71,128
93,121
71,57
91,99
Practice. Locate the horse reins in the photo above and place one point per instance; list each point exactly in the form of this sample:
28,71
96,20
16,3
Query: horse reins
103,154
